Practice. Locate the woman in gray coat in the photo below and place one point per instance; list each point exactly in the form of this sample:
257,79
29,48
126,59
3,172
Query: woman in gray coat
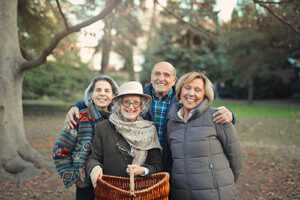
206,156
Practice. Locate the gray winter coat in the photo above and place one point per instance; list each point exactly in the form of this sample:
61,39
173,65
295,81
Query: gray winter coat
207,157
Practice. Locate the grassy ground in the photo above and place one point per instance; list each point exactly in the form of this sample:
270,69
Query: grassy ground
269,133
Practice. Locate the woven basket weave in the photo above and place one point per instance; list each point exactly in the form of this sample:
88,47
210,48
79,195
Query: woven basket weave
153,187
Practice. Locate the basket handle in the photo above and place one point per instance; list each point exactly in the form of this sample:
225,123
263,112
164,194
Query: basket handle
131,178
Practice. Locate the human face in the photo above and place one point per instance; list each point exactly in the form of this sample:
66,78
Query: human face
102,95
163,78
192,94
132,112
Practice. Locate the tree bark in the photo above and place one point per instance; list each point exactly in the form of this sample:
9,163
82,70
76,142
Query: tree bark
16,154
106,45
250,90
129,65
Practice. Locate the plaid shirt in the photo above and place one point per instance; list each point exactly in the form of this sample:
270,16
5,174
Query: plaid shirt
160,107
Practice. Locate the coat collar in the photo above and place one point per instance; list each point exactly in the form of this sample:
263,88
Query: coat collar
198,111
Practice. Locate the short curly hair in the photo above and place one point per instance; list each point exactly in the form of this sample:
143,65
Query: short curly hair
188,77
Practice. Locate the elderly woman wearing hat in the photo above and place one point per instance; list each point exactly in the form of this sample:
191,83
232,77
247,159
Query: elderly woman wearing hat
126,140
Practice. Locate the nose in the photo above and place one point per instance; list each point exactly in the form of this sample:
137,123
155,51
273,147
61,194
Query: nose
191,93
160,78
130,105
101,92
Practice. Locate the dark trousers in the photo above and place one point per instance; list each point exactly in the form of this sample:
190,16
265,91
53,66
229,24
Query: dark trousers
86,193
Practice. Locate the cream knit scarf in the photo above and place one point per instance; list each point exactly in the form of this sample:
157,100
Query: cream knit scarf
140,134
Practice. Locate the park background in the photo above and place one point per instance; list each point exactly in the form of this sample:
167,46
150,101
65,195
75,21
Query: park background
252,56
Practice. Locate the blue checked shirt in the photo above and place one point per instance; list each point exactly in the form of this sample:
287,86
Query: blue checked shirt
160,107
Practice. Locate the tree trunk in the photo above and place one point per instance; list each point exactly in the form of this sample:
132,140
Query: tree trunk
16,154
129,65
107,42
250,90
152,26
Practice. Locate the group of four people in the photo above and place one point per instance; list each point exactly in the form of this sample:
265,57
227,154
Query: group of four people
167,127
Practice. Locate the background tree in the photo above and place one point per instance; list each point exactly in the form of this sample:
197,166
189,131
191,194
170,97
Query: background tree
187,37
16,154
257,53
121,32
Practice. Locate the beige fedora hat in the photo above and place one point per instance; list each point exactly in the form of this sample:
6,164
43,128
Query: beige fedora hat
132,87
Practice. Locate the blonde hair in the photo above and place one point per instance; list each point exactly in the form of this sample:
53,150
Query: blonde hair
188,77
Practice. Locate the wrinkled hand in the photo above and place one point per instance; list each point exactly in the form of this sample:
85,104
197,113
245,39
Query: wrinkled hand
79,184
95,174
70,121
137,169
222,115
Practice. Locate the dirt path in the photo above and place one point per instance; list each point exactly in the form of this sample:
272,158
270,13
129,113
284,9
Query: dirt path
265,175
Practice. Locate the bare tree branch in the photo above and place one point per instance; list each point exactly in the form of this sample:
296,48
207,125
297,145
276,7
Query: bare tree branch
62,14
25,53
278,17
58,37
201,30
274,2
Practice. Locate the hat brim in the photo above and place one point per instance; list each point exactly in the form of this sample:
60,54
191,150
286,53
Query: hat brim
149,98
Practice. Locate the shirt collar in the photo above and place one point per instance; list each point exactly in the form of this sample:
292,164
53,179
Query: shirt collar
181,111
166,96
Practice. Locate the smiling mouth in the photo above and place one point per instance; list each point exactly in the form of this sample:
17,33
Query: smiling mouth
161,84
190,100
102,100
130,111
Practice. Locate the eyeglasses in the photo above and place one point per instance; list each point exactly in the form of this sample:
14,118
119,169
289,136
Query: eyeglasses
127,103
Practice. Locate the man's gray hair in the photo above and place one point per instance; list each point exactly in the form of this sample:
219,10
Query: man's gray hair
175,73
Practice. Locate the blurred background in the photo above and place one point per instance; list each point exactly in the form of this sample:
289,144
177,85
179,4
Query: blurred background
250,50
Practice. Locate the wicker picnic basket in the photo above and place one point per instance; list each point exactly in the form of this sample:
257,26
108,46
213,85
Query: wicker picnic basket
153,187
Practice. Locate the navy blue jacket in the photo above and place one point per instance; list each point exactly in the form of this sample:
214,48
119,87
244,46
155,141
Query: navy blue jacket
150,116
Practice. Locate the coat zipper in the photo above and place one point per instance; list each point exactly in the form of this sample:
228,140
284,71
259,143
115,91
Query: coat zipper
213,174
211,166
185,162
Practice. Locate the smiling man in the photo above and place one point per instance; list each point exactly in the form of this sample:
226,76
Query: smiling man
163,78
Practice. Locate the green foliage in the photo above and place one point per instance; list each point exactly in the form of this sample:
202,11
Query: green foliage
151,58
56,80
36,24
257,48
183,46
250,54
